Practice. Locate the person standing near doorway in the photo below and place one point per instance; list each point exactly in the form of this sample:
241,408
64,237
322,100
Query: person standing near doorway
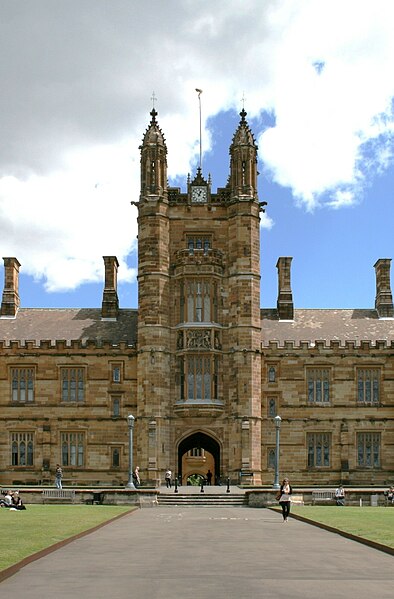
58,476
168,477
209,478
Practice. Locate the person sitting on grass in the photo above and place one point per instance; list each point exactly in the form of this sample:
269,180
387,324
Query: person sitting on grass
6,500
17,503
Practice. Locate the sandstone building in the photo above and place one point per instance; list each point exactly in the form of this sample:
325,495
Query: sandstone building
200,365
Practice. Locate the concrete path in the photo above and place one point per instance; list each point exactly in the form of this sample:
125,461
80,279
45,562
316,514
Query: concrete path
207,553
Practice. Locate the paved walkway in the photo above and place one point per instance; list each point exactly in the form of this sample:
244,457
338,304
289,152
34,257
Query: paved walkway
207,553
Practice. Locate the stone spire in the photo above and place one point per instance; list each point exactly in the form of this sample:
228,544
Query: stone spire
243,161
153,160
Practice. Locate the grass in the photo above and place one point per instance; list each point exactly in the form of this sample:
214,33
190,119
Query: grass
372,523
40,526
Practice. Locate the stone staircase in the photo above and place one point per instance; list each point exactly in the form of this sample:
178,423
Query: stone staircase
201,500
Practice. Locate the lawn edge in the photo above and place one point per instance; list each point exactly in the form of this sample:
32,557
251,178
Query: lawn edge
11,570
342,533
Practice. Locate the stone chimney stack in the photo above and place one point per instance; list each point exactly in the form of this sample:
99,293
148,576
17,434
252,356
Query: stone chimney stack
285,296
10,301
110,305
384,297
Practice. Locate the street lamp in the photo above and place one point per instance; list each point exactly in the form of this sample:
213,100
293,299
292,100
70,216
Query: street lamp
277,421
130,424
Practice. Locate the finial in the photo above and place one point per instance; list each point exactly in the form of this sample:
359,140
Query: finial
153,98
153,114
243,114
243,99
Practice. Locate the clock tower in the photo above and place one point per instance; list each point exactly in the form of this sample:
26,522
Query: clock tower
199,334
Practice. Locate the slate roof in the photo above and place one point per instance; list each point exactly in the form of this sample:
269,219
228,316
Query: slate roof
38,324
84,324
313,325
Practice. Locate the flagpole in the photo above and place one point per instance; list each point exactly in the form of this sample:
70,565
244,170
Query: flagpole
199,92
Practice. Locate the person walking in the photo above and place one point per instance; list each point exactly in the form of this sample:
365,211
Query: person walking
168,477
284,498
58,476
209,478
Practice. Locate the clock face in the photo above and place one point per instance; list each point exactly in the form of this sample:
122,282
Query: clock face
199,194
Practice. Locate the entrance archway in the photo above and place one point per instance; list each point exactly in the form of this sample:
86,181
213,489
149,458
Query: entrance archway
204,441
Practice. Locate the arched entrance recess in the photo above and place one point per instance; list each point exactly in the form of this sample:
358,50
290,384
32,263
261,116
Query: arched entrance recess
199,440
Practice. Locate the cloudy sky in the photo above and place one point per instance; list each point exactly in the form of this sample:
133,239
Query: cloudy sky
77,81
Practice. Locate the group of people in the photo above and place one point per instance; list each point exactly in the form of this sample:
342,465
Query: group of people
12,500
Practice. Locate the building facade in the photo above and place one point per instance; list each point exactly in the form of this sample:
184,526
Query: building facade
200,365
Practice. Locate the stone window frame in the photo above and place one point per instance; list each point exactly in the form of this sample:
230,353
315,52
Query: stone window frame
199,241
321,388
23,380
272,400
196,452
271,457
116,373
72,388
272,373
22,449
73,450
318,450
204,375
198,300
113,450
116,400
368,449
374,390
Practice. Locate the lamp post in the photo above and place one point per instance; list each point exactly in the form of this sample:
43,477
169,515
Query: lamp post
277,421
130,424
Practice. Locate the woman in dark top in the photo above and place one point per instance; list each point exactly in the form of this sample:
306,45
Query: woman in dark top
284,498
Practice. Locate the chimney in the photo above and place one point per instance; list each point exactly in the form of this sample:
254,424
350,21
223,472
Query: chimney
110,305
384,297
285,296
10,301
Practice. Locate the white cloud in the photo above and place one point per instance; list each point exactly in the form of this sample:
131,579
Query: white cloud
77,78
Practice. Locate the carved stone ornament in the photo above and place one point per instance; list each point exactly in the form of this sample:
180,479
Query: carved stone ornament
197,339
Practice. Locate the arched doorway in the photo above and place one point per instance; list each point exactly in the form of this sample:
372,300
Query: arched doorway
203,441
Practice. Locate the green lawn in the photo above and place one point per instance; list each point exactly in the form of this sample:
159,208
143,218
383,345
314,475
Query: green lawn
39,526
373,523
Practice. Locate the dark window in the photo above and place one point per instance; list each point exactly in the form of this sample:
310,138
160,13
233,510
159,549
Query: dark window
73,384
319,450
22,384
368,450
22,449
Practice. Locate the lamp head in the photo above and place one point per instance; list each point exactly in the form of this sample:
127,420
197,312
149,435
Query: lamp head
130,420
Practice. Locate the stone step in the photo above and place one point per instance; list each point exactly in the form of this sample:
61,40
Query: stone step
202,500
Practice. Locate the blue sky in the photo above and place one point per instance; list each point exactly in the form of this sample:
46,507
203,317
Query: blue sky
78,81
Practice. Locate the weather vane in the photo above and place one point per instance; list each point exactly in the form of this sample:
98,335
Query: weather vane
243,99
153,98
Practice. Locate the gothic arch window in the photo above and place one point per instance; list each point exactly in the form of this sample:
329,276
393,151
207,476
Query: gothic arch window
198,378
198,300
272,374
